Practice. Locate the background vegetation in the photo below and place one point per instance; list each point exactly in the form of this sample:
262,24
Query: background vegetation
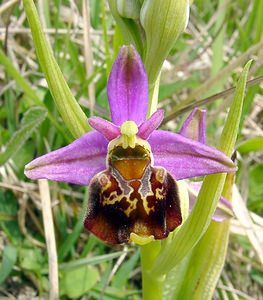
206,60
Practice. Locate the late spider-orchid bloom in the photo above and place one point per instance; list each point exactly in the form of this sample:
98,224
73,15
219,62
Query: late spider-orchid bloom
131,168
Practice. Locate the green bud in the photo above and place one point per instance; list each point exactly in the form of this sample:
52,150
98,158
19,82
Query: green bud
129,9
163,22
126,14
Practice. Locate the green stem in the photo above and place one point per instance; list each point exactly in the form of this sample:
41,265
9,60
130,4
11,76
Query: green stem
153,96
152,286
105,37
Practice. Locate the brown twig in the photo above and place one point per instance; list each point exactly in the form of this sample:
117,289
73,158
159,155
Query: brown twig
209,99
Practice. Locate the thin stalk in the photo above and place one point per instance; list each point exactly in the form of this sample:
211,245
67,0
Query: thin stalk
152,286
88,52
224,94
50,239
153,96
201,89
69,109
105,37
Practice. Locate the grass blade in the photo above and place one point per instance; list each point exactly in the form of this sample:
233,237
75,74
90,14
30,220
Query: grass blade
197,223
69,109
32,119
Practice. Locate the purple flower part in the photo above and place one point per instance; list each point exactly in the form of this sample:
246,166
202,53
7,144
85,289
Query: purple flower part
224,210
128,88
186,158
194,126
148,126
76,163
109,130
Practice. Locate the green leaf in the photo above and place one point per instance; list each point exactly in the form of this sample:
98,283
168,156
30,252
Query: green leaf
9,206
31,259
20,80
33,97
95,13
6,217
128,27
251,145
121,277
198,221
89,260
188,280
8,261
32,119
113,293
73,236
255,187
257,275
76,282
68,107
255,179
168,89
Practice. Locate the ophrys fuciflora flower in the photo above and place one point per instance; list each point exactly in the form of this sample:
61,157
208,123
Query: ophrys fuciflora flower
131,168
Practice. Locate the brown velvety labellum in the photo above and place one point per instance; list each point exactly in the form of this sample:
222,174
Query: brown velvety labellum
132,196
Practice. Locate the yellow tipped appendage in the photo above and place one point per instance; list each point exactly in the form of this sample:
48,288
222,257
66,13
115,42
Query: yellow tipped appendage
128,131
140,240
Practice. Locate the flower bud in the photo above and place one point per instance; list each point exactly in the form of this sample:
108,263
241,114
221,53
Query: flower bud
126,13
129,9
163,21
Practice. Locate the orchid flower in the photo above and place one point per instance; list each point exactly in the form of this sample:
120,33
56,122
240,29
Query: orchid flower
131,168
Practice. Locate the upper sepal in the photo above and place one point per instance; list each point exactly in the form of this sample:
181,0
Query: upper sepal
128,88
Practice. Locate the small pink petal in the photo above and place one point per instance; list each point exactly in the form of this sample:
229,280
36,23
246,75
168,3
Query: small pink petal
128,88
194,126
148,126
109,130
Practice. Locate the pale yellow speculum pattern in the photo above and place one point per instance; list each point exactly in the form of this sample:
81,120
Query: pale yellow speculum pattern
160,175
132,207
114,198
145,203
159,194
104,182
